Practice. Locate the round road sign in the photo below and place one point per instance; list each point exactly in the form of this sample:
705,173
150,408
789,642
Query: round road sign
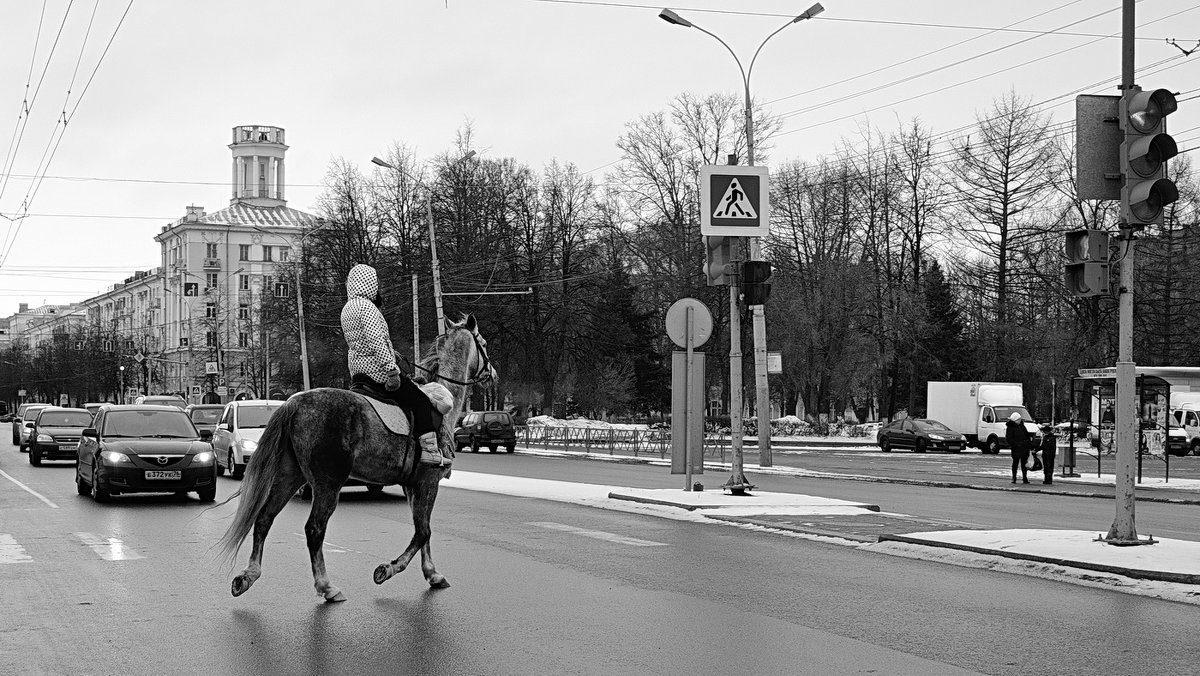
677,322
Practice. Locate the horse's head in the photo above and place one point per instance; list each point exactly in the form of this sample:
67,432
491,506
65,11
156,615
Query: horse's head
462,354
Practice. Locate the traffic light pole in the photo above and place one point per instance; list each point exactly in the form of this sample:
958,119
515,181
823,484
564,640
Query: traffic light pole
737,483
1123,530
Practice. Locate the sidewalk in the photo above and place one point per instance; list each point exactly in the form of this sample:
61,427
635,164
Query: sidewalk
1167,560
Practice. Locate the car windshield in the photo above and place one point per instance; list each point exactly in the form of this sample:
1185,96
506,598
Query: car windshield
206,415
495,417
31,412
65,419
1002,413
158,424
931,426
254,416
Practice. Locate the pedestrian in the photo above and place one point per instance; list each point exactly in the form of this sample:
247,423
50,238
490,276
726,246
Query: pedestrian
1049,447
372,360
1018,441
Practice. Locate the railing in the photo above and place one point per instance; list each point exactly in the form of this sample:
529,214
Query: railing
212,264
635,443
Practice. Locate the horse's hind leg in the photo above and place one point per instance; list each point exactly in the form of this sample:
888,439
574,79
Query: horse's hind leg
421,497
286,483
324,501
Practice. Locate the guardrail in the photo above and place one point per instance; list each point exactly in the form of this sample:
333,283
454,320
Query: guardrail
635,443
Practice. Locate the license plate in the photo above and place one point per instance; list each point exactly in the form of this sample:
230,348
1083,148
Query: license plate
68,447
163,474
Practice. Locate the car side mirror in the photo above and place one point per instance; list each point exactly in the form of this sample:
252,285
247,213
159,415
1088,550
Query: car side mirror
206,435
90,432
223,426
29,424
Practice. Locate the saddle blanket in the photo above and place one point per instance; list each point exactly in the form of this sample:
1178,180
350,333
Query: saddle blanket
396,419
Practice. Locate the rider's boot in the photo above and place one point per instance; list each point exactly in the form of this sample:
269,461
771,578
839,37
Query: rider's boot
431,454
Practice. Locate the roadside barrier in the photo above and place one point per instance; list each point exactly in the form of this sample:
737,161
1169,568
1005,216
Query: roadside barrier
635,443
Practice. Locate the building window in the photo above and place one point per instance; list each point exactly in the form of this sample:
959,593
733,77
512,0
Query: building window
210,310
210,338
243,339
268,253
243,311
183,342
244,282
210,250
210,280
285,254
243,252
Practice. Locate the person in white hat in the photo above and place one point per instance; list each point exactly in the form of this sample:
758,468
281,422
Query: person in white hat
1018,441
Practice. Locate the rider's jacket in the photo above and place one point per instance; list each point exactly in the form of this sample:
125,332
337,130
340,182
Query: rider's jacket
365,329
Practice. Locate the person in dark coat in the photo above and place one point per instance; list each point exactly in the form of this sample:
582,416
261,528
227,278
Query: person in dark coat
1018,440
1049,447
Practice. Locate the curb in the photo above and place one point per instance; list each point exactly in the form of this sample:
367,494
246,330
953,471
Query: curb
1162,576
691,508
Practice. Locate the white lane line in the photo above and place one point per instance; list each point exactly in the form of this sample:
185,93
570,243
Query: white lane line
329,546
597,534
32,492
11,551
109,549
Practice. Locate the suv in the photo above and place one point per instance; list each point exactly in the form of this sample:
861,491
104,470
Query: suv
486,428
205,417
20,433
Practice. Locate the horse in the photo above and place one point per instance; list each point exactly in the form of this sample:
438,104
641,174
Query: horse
323,436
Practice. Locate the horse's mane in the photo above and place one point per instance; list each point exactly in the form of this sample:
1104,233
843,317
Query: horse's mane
430,363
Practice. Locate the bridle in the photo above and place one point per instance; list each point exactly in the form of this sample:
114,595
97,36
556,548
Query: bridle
484,372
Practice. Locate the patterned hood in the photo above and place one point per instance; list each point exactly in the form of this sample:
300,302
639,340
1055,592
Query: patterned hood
362,282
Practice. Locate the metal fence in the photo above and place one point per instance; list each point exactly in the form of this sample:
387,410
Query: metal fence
635,443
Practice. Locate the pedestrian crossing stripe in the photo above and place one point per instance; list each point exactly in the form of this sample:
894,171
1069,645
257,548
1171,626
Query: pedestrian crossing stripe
109,549
735,204
11,551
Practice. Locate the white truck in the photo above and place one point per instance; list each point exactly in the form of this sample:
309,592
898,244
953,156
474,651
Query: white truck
1185,408
979,411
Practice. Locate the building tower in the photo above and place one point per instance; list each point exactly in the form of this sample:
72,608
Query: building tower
258,178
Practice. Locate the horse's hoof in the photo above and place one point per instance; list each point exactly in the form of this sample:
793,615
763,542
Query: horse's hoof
337,596
240,585
383,573
438,582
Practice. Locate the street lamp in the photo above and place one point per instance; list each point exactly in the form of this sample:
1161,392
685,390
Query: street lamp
437,277
762,388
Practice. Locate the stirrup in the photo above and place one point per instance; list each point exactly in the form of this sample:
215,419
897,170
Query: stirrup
429,458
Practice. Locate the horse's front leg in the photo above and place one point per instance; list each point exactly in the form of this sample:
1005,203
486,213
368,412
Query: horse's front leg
324,501
421,497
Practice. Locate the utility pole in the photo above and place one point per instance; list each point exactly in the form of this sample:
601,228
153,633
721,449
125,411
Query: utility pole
416,322
437,275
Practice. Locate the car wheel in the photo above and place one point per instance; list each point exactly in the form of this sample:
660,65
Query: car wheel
474,445
993,446
885,445
217,466
35,457
491,448
510,448
207,494
236,471
99,494
81,486
1196,447
374,489
920,447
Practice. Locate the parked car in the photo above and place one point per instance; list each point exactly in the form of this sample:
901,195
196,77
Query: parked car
920,434
205,417
238,431
5,413
144,449
93,407
486,428
55,432
20,433
161,400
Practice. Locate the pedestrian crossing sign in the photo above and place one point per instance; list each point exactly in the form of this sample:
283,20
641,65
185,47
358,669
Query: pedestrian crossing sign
734,201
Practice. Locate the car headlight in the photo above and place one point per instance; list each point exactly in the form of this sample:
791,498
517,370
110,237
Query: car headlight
249,446
202,458
45,439
114,457
936,437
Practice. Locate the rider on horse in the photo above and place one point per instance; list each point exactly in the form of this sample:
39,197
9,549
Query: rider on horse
373,362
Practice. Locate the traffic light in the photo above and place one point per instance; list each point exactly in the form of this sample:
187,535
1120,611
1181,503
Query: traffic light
717,252
1146,190
1087,262
756,284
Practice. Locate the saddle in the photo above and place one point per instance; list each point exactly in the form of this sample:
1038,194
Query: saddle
397,419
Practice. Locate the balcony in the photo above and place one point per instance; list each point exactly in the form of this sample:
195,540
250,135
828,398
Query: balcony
155,303
212,263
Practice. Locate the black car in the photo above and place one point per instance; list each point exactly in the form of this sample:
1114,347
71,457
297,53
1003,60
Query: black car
486,428
144,449
919,434
205,418
55,433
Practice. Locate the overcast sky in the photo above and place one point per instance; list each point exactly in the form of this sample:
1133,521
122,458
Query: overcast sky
538,79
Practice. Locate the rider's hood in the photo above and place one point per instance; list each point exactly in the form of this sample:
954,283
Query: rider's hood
362,282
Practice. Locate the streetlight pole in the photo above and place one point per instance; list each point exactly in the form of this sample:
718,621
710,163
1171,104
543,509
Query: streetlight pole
437,276
762,403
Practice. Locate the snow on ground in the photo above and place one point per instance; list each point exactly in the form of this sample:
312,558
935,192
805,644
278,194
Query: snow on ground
1061,546
1105,480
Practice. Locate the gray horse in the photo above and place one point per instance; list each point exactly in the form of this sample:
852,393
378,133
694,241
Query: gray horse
323,436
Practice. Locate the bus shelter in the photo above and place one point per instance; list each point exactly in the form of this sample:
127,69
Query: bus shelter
1093,403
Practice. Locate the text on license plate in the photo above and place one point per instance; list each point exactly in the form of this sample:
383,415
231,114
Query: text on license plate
163,474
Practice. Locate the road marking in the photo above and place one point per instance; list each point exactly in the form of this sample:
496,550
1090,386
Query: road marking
11,551
32,492
597,534
109,549
329,546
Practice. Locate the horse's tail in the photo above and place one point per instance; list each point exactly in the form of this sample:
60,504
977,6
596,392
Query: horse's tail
275,443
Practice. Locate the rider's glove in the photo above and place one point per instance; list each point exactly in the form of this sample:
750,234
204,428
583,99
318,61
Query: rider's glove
393,380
